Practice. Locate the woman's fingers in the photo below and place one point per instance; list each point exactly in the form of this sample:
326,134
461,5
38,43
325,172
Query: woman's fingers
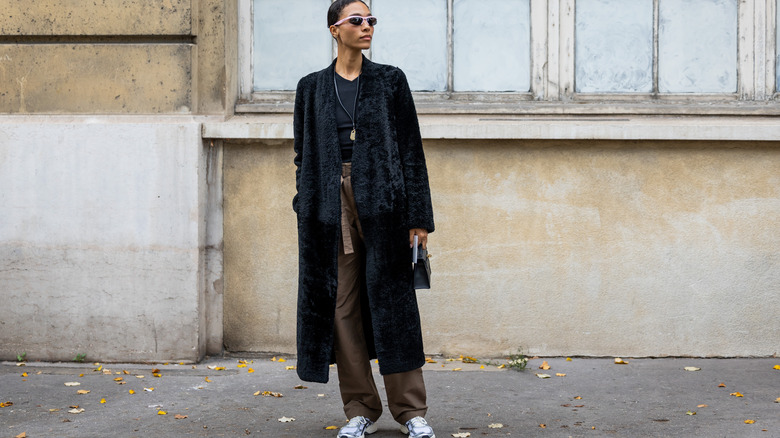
422,237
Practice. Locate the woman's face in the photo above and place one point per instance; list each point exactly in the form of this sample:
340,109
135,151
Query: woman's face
349,35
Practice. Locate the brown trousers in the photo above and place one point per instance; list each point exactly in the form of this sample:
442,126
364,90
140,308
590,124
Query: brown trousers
406,396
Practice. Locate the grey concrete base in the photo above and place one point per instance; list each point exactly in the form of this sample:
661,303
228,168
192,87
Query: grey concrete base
645,398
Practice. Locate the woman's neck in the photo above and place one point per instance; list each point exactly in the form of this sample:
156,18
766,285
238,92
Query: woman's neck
349,63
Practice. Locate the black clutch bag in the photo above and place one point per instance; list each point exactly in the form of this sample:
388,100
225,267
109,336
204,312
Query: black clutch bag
421,267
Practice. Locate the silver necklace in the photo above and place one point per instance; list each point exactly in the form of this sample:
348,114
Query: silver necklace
351,116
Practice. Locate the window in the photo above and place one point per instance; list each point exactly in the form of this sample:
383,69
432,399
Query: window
526,55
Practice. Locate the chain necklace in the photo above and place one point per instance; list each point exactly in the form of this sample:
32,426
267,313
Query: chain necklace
354,111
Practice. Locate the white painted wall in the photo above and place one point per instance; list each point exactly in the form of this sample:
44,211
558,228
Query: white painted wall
101,238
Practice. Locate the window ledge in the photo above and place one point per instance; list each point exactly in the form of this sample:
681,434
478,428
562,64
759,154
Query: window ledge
535,127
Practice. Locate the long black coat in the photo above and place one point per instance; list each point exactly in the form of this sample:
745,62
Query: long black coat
390,182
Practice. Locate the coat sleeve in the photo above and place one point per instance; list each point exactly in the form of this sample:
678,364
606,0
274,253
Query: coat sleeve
418,192
298,130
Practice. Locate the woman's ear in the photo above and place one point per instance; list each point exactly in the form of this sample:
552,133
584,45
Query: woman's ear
334,31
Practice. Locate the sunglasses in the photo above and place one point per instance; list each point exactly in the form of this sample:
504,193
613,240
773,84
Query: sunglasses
357,20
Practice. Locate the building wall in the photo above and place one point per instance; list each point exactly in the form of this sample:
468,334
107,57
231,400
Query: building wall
559,247
110,242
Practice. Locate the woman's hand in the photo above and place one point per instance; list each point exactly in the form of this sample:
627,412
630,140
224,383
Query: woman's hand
422,237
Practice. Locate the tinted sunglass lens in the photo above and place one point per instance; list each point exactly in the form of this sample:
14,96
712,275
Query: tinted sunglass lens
356,21
372,21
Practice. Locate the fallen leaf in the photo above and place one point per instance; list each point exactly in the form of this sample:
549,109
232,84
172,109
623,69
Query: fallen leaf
76,411
179,417
99,367
250,370
125,372
21,435
162,413
776,367
157,374
736,394
215,368
54,410
461,434
503,365
257,393
543,376
207,380
148,389
272,394
750,421
690,413
777,400
6,404
300,387
74,406
543,426
331,427
118,379
82,391
692,369
544,366
291,367
241,365
429,360
619,361
156,370
281,359
72,384
560,374
24,374
131,392
482,367
722,385
568,359
579,406
106,372
702,406
495,426
578,398
286,420
102,400
457,369
139,377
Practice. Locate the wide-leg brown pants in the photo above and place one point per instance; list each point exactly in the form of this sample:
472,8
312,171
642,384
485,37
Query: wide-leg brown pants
406,396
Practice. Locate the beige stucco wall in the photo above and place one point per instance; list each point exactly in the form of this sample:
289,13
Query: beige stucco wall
106,57
559,247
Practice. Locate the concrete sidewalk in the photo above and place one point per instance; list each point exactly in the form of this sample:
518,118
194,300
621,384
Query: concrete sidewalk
595,398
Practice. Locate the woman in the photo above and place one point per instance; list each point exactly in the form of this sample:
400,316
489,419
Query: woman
362,196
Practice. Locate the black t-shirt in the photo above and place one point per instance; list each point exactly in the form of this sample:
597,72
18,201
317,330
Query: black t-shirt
347,92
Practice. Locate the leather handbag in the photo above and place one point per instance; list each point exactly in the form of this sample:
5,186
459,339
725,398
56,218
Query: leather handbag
421,267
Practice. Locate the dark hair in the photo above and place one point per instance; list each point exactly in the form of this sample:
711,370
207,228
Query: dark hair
334,11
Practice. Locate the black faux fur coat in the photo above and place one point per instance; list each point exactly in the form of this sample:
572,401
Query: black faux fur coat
390,182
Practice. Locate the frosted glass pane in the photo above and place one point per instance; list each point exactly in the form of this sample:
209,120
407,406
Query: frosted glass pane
291,39
614,46
412,34
777,36
488,57
697,46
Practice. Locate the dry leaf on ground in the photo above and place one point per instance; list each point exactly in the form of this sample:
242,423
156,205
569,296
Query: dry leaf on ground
286,420
21,435
692,369
162,413
544,366
737,394
272,394
750,421
690,413
722,385
619,361
83,391
72,384
702,406
331,427
76,411
6,404
461,434
179,417
300,387
543,376
560,374
495,426
777,367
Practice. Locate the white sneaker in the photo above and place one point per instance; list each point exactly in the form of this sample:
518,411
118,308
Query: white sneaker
417,427
358,427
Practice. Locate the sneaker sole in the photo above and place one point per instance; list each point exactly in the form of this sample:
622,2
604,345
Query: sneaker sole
369,430
405,431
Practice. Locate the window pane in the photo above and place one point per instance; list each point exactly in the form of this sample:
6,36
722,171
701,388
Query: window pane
777,36
291,39
697,46
412,34
614,46
486,58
